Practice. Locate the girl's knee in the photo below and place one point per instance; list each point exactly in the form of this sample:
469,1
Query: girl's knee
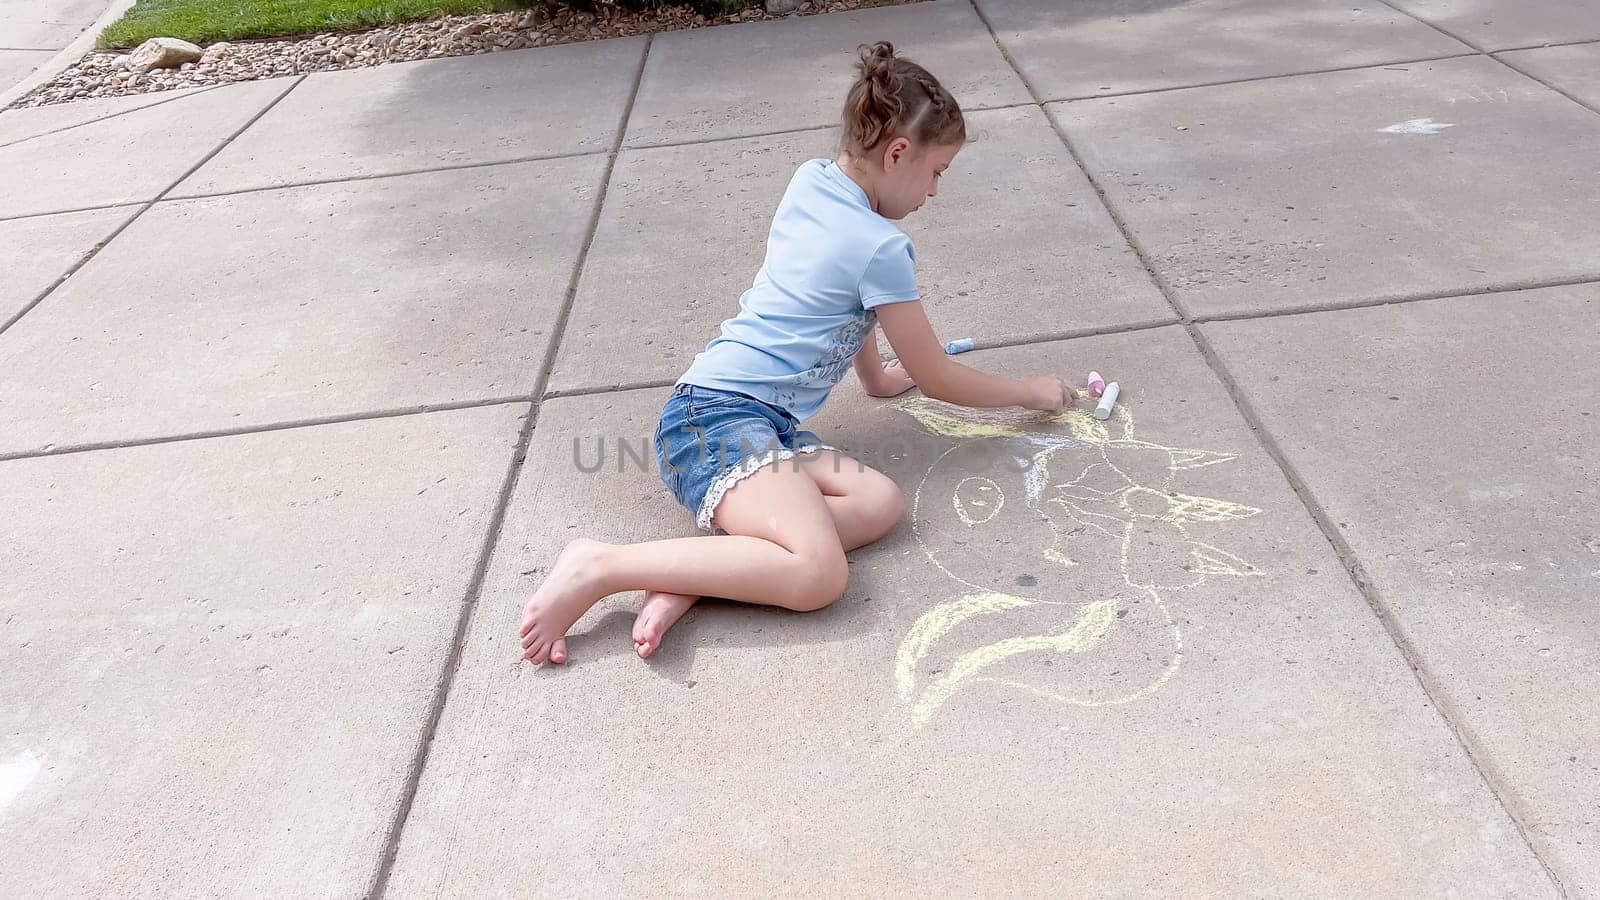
894,502
821,581
886,503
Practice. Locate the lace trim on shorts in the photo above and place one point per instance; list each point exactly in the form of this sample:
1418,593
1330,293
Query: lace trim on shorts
750,465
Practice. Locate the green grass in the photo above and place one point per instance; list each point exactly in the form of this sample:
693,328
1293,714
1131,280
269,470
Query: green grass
205,21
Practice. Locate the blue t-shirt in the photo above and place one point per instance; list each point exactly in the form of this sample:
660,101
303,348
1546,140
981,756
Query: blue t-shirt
831,260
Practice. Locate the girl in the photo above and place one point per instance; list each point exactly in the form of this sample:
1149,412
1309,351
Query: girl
835,267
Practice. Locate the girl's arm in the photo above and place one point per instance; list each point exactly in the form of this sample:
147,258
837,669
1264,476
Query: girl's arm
942,378
877,379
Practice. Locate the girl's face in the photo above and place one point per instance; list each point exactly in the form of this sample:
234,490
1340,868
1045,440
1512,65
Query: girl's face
910,176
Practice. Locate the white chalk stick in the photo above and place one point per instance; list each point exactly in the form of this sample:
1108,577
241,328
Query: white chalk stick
1107,400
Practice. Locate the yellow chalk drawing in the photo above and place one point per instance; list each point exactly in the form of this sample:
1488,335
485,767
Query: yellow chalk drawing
936,623
978,503
1119,512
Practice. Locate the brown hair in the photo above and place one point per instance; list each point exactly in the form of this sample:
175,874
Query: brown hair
894,97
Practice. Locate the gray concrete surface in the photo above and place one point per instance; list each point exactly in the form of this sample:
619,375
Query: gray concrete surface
1471,508
36,35
1087,49
131,158
64,29
219,654
427,115
316,301
1270,633
18,124
41,38
33,31
791,74
17,13
16,65
1503,24
36,252
1574,69
1298,192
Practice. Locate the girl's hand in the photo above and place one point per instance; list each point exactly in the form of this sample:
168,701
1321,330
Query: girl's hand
942,378
893,381
1047,393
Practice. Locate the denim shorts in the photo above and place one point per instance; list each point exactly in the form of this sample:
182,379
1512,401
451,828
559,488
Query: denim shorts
708,440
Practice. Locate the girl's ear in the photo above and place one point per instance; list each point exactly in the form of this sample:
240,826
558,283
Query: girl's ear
896,151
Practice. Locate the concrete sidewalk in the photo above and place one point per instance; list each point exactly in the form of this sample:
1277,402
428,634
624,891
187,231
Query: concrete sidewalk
299,376
34,32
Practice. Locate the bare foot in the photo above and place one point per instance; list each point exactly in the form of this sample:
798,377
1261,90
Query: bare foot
567,593
659,613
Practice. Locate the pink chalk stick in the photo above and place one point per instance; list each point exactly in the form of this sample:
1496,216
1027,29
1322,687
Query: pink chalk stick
1097,385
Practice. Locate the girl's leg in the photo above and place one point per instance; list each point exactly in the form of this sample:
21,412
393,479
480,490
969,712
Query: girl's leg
863,503
793,560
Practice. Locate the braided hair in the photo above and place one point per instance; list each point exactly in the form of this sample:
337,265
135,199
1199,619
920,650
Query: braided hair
894,97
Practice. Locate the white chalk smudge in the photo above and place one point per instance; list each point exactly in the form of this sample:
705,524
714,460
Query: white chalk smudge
1497,492
1037,466
1489,832
1417,126
1484,95
15,775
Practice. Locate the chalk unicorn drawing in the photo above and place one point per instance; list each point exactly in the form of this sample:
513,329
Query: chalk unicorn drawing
1107,545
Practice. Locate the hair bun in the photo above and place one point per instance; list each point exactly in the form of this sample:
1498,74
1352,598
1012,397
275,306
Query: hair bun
875,59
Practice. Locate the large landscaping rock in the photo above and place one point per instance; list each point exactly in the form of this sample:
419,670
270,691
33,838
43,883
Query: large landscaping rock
162,53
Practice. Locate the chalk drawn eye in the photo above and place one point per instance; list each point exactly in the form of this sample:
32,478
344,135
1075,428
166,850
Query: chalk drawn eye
977,500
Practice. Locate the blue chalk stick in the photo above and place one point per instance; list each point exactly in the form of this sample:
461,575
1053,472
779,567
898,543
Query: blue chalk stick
1107,401
960,346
